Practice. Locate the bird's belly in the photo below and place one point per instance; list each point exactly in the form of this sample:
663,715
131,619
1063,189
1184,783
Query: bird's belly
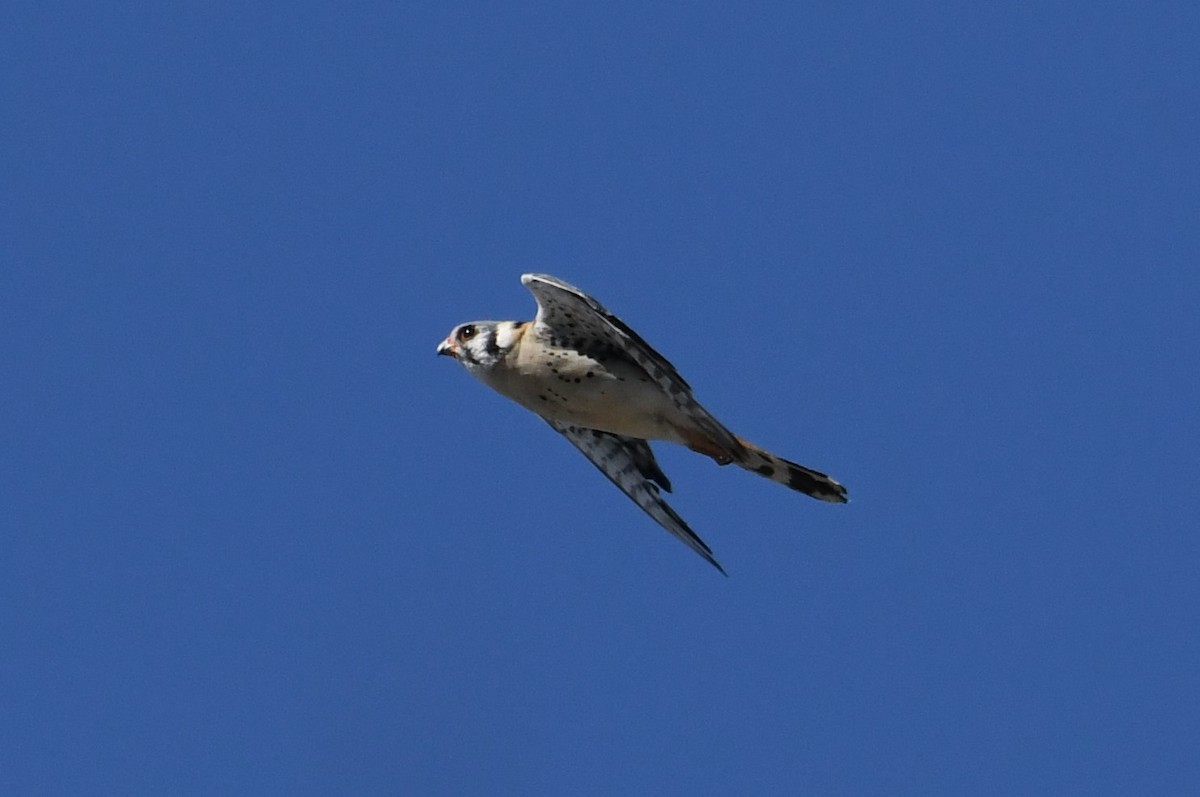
612,402
609,416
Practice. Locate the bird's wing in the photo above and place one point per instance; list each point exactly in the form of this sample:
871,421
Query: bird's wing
569,318
629,463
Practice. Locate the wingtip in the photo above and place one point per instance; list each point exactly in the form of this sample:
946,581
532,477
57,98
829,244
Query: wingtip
712,560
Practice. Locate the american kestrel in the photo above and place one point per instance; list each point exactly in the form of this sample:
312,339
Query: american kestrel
592,378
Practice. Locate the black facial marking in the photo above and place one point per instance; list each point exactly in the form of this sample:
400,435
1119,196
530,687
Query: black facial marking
490,344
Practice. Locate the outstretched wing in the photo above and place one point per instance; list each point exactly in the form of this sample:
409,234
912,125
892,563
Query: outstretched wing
569,318
629,463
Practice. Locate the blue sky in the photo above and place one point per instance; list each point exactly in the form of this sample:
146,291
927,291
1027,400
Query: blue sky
258,539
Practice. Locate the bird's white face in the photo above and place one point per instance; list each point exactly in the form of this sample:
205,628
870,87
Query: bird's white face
479,345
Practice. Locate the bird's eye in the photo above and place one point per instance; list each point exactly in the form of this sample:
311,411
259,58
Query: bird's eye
467,332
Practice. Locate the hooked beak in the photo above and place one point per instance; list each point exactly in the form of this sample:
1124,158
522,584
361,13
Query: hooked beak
447,348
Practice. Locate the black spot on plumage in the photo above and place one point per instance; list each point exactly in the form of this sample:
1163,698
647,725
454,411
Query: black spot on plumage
765,470
799,480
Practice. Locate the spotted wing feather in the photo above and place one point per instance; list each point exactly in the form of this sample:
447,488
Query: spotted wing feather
569,318
629,463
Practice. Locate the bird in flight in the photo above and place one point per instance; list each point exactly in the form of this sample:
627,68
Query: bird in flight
593,379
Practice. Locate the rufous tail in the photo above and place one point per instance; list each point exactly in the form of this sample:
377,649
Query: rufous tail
798,477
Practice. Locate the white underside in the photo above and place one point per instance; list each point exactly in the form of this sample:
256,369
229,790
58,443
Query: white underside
617,398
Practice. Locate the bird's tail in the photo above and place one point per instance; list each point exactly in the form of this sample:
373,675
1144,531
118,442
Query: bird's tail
714,440
798,477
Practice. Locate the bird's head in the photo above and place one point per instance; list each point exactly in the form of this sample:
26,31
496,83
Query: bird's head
480,345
